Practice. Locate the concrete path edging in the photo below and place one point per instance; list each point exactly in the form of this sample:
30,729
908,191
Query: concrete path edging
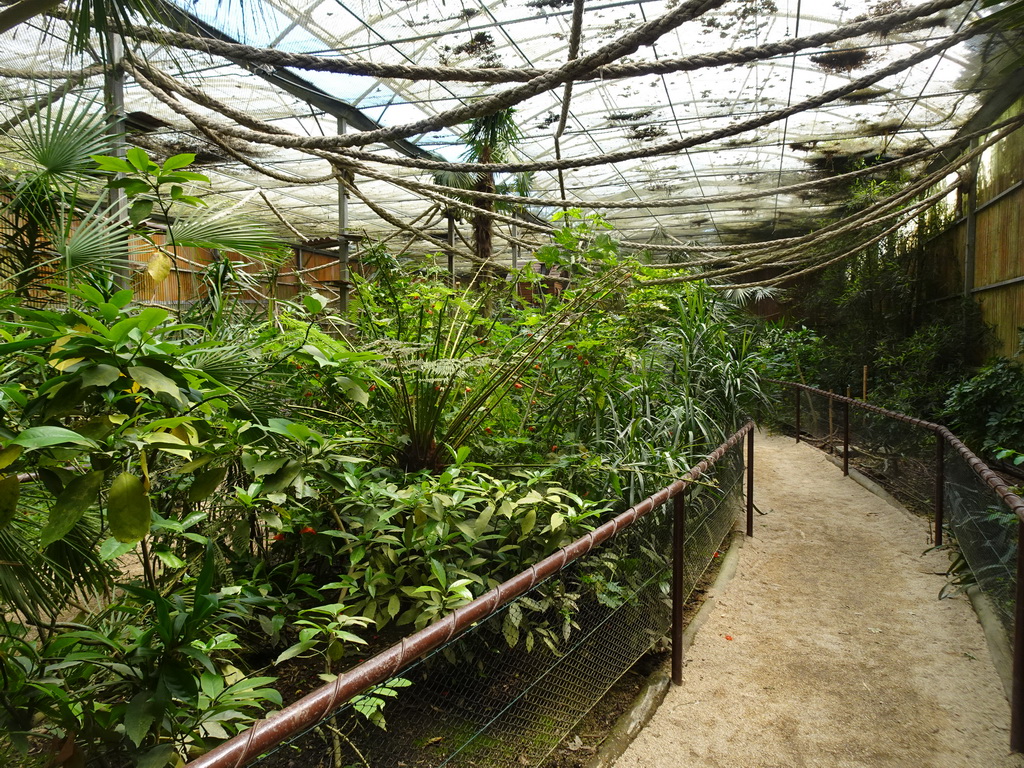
658,683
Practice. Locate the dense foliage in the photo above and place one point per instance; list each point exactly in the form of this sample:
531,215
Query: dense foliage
193,494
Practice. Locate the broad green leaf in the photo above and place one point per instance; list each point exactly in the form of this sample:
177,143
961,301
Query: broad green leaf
115,164
111,549
138,158
295,650
155,382
10,489
151,317
168,558
139,717
314,303
101,375
9,455
206,483
141,209
44,437
175,162
77,496
528,522
14,346
161,756
128,512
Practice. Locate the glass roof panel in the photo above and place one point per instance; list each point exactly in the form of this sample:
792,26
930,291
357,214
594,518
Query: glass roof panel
916,107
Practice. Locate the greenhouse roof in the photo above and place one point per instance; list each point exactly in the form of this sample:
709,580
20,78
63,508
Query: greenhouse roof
744,97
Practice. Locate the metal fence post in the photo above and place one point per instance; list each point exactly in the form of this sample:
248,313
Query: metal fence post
750,482
797,413
940,483
678,575
1017,696
846,439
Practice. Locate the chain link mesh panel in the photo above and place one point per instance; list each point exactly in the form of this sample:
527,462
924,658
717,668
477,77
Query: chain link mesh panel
507,691
986,534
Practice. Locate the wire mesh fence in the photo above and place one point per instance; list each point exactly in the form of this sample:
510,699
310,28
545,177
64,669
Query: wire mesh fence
986,535
507,691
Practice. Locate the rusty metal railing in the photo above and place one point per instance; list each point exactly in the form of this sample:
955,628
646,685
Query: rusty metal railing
943,439
315,707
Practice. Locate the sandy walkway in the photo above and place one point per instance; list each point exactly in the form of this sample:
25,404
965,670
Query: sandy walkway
840,654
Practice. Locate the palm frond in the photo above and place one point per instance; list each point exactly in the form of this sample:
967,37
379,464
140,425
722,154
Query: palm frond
98,242
230,233
59,141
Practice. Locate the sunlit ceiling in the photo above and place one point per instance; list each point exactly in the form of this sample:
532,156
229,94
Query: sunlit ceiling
920,106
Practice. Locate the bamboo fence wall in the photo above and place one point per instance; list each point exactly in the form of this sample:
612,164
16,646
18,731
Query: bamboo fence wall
997,282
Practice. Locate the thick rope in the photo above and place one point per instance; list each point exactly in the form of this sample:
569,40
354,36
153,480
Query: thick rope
817,262
645,34
853,221
279,58
293,141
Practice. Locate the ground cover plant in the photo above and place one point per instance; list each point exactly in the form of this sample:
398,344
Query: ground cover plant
193,495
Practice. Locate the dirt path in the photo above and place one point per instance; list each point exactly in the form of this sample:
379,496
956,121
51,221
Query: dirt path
830,648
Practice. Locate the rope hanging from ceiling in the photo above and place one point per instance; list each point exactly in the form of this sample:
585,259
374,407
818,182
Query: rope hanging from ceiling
797,255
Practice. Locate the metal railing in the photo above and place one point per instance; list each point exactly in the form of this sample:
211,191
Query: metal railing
975,503
643,564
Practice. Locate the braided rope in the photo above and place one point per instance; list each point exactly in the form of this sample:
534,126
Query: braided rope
854,220
52,74
645,34
310,62
242,117
817,261
293,141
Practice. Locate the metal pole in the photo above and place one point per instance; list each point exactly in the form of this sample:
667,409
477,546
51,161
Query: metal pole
846,439
1017,696
343,253
678,575
515,244
113,96
971,221
750,482
797,415
451,247
940,483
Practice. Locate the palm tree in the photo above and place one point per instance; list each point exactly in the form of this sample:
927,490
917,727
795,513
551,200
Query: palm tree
490,139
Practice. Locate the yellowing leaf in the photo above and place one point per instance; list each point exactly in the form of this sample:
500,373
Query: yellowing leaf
159,267
63,365
10,488
9,455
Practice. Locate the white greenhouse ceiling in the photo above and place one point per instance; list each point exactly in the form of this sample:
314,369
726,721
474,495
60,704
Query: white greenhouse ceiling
744,97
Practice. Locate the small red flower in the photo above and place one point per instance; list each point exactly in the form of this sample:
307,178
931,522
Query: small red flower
468,390
518,385
536,367
373,387
716,554
279,537
570,346
532,429
554,448
487,430
728,637
586,362
309,394
309,529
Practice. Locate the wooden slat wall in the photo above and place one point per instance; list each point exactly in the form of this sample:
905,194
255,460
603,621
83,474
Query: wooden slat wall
998,245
